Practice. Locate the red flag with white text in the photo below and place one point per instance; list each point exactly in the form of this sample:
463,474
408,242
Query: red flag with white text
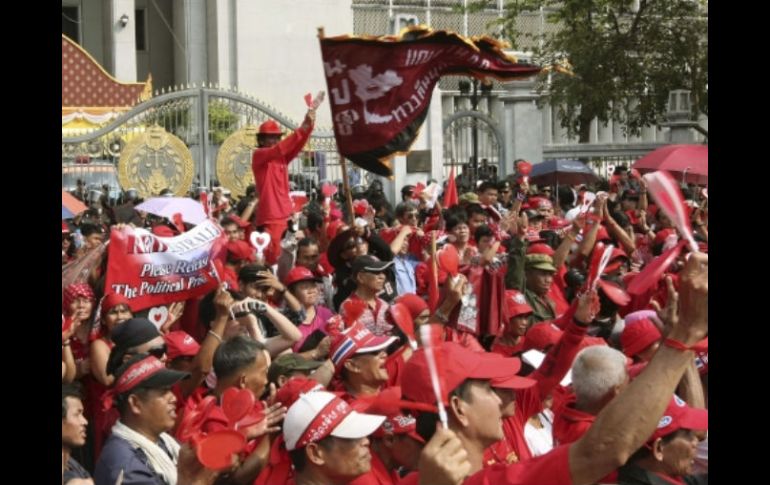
151,270
380,87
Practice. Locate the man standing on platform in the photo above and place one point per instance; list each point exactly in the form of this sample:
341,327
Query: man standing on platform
270,166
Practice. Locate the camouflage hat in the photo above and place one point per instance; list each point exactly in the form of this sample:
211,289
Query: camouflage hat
287,364
540,261
469,197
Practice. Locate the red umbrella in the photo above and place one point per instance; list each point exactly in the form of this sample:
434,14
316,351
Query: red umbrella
688,163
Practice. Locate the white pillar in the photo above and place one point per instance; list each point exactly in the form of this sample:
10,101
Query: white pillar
523,125
122,40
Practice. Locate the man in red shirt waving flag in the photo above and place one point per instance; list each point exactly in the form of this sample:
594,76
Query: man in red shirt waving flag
271,175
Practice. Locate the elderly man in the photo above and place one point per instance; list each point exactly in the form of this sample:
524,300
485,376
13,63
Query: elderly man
140,449
474,409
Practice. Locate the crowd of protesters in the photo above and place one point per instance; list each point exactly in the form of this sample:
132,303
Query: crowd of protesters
315,328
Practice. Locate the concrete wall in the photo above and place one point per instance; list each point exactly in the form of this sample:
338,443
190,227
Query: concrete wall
92,28
157,59
278,55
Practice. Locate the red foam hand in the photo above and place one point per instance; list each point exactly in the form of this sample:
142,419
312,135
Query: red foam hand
665,191
309,100
360,206
401,316
653,272
593,271
216,450
351,310
615,293
524,168
328,190
236,403
449,259
192,423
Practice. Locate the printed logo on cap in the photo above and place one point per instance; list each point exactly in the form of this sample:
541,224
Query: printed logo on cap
188,340
679,401
519,299
405,421
664,421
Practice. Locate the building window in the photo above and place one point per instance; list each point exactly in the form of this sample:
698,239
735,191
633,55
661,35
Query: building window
70,22
140,16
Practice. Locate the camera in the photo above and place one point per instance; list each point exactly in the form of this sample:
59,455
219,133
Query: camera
254,307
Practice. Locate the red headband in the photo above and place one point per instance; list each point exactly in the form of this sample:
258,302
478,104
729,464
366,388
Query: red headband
132,377
324,423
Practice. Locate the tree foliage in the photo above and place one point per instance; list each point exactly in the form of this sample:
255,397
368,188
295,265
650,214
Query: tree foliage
625,59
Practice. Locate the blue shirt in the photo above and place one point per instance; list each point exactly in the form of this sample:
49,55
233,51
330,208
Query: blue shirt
118,454
404,266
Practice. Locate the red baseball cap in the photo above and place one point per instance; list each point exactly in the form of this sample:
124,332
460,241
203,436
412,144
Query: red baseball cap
269,127
240,222
64,228
559,223
540,248
240,251
356,340
399,424
294,388
661,236
458,364
297,274
542,335
180,344
638,336
516,304
679,415
316,415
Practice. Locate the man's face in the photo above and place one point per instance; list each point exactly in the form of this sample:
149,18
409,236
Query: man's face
475,221
266,141
372,281
518,325
488,197
546,212
255,376
253,289
155,347
73,426
505,195
409,218
484,416
461,232
158,410
346,458
308,256
539,280
679,453
485,242
93,240
232,231
371,366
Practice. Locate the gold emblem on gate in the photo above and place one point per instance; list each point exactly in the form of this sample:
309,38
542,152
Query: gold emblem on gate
156,160
234,161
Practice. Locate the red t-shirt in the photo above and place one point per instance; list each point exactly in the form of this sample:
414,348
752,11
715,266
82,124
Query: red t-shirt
271,176
377,475
395,366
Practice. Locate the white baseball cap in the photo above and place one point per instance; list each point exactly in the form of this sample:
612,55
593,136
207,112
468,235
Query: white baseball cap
316,415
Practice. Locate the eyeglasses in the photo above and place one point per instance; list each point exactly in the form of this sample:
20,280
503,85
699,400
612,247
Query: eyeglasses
158,352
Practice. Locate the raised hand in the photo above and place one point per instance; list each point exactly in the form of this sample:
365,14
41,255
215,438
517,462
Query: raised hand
274,414
443,460
692,324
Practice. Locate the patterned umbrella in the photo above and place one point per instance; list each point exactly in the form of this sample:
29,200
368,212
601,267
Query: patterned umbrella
70,206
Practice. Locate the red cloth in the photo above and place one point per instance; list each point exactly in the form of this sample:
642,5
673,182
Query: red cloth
395,366
508,350
276,230
490,300
549,469
230,277
271,175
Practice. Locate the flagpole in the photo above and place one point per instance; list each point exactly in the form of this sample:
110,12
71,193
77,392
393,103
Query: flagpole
346,188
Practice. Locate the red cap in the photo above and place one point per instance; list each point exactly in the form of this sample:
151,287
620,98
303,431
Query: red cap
112,300
589,341
515,304
679,415
616,260
413,303
297,274
294,387
661,236
356,340
542,335
638,336
240,251
458,364
64,228
399,424
540,248
559,223
180,344
269,127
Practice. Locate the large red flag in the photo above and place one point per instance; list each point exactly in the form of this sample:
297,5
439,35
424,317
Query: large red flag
450,196
380,87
